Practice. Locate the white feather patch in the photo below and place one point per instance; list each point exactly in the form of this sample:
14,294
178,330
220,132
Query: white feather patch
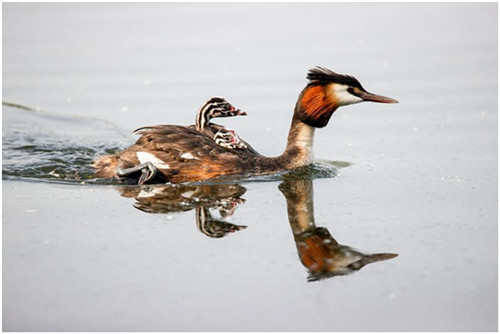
148,157
149,192
188,194
342,96
188,156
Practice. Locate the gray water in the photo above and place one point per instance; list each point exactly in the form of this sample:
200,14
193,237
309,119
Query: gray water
418,179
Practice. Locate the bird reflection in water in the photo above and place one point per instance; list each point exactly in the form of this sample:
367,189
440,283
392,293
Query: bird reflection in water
223,198
318,251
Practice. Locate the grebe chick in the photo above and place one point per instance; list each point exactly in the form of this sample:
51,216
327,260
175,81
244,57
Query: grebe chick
219,107
215,107
228,138
175,153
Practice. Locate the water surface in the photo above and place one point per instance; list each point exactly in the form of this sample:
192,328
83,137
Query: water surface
311,250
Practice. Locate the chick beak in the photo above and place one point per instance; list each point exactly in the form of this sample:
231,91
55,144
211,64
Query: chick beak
375,98
239,112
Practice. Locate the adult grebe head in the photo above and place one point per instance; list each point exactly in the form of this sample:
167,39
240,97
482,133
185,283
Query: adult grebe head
326,91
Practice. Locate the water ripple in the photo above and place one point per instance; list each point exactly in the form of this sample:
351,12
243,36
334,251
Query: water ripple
45,146
60,148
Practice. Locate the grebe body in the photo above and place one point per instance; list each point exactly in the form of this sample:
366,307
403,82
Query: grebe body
174,153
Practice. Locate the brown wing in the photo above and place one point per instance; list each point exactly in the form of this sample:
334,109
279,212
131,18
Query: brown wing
178,141
213,128
185,154
188,137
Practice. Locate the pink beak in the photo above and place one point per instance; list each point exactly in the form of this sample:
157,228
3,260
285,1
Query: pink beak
375,98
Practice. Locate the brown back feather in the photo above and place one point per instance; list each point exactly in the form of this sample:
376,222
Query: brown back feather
190,154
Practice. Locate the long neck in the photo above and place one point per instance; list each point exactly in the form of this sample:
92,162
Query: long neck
299,148
299,202
298,152
203,117
313,110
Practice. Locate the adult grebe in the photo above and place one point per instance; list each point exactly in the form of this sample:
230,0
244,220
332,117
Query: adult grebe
175,153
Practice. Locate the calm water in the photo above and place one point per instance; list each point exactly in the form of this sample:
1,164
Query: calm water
311,250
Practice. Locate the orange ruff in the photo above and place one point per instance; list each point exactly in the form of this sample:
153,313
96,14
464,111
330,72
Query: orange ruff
314,101
314,253
317,106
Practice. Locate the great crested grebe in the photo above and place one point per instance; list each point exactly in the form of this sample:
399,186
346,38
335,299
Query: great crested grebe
175,153
219,107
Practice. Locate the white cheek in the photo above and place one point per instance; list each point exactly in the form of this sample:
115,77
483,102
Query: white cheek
343,96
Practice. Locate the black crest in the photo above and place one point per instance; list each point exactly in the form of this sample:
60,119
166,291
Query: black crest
324,76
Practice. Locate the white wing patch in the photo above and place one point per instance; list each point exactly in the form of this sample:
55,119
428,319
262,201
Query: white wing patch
187,194
149,192
188,156
148,157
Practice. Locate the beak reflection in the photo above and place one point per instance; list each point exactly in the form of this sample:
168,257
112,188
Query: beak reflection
318,251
